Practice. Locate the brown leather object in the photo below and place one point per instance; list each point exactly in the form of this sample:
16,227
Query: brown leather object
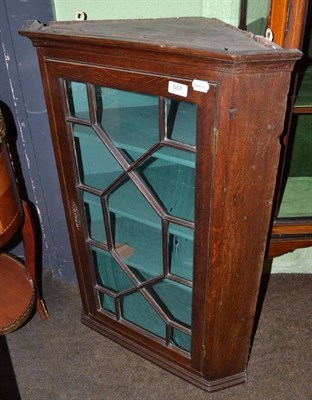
10,206
17,294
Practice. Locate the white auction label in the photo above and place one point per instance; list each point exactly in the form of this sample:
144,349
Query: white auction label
177,88
200,86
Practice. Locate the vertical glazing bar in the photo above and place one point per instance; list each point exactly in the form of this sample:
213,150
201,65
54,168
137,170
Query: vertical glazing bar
67,90
98,103
243,15
92,105
107,222
171,117
162,125
165,246
118,308
168,334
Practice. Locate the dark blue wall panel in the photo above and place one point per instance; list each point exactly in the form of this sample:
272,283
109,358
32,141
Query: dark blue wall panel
21,93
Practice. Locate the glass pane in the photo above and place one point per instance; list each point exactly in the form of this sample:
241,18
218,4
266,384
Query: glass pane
181,251
258,12
181,121
139,245
181,340
165,169
297,197
77,100
130,120
94,217
304,95
176,298
136,309
108,273
127,201
107,302
97,167
177,156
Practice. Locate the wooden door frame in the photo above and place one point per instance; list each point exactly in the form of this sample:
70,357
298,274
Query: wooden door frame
283,22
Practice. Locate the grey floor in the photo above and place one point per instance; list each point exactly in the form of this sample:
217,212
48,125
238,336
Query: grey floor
61,359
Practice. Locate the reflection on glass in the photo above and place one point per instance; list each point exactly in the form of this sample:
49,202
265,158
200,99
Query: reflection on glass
127,201
108,272
136,309
297,196
77,100
181,251
181,121
94,217
176,156
139,245
181,340
304,95
132,123
162,171
136,229
177,298
107,302
97,167
258,12
130,119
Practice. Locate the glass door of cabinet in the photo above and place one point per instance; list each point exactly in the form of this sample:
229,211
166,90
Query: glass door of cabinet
296,196
254,16
292,226
135,159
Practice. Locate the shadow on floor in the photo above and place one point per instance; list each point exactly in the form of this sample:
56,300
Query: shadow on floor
8,385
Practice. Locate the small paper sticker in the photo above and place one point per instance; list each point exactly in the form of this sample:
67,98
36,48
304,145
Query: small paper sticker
200,86
177,88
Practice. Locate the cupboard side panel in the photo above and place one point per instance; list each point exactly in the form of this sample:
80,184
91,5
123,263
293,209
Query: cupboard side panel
247,157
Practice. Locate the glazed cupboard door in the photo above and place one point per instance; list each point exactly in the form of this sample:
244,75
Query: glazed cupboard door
292,226
129,165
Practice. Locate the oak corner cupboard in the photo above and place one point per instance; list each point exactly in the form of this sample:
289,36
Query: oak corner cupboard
166,135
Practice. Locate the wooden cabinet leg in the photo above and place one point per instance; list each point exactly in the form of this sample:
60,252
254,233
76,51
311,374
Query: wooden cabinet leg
29,240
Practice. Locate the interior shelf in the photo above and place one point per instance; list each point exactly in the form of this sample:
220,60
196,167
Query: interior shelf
145,247
148,319
132,120
177,297
127,139
128,202
136,128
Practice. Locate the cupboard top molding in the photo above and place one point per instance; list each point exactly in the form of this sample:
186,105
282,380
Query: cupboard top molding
194,37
